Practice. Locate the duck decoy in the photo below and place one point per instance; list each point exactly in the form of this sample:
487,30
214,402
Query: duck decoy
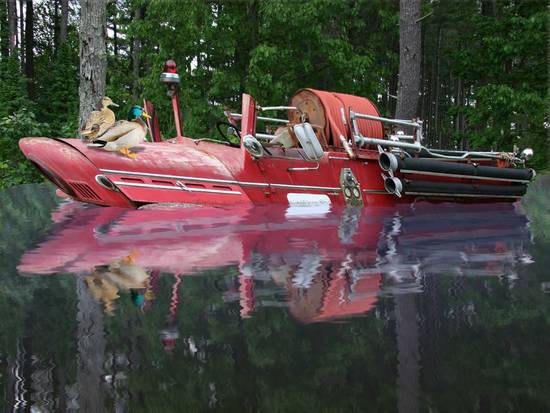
99,121
124,134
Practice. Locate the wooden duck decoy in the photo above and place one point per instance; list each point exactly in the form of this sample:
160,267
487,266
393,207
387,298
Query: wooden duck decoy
99,120
106,281
124,134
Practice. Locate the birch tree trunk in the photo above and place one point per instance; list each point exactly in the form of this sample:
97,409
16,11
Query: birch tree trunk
93,54
29,46
410,47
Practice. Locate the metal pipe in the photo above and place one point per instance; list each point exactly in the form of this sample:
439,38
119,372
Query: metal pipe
493,155
304,168
275,120
265,136
402,137
176,110
262,108
461,152
196,141
347,147
417,147
416,125
385,143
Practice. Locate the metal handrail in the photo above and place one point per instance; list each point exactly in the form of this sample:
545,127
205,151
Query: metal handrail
265,135
262,108
275,120
414,124
416,146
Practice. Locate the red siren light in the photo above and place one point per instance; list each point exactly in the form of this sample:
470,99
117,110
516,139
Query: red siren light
170,66
170,75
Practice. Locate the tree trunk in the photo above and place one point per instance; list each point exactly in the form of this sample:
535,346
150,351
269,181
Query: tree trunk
12,26
408,353
4,34
410,39
56,26
93,54
29,46
437,116
64,21
91,349
22,34
136,50
115,39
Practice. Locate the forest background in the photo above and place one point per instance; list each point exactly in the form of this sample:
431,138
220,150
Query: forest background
483,67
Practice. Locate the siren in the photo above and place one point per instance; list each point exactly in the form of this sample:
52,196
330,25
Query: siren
170,75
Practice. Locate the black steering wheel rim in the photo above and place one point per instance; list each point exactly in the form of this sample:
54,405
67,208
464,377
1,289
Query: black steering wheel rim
226,137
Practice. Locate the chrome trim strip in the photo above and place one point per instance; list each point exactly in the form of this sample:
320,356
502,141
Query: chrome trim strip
376,192
313,188
410,171
178,188
220,181
338,158
462,195
185,178
259,184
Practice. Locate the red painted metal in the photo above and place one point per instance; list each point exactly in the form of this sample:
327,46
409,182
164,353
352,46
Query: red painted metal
153,123
336,112
183,170
248,122
368,128
177,113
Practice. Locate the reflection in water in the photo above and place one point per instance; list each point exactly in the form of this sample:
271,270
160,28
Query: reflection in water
269,309
331,266
106,281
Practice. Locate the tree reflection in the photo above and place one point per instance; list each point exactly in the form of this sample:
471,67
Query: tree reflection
438,309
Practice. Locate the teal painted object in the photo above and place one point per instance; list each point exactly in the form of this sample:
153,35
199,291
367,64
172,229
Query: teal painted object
138,298
135,112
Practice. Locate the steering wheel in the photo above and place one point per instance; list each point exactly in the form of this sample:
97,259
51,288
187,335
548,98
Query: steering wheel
224,134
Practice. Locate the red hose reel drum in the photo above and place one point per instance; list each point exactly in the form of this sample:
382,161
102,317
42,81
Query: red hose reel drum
368,128
330,111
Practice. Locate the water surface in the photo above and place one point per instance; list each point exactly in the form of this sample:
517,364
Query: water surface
425,308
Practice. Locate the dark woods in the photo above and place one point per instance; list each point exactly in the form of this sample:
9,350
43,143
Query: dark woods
482,67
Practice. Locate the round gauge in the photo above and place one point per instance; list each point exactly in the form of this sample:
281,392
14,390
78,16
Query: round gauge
347,192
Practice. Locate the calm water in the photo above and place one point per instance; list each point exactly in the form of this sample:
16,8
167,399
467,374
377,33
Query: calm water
429,308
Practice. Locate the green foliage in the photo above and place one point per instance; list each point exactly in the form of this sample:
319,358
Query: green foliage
499,52
25,215
14,168
268,49
537,204
496,51
13,93
57,89
482,340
